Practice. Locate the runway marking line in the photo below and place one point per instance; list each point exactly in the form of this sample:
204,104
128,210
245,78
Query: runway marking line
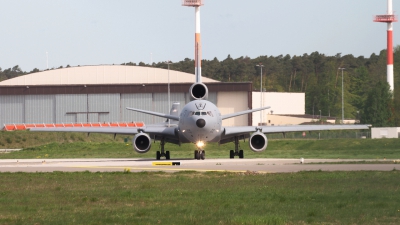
166,163
168,169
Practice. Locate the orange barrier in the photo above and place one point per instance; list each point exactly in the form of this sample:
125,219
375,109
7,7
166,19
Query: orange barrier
11,127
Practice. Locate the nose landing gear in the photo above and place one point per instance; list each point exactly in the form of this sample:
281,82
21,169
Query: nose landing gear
199,154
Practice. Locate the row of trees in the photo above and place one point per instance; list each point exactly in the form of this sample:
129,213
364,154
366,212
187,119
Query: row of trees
366,92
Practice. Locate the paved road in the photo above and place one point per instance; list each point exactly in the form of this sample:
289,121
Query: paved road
233,165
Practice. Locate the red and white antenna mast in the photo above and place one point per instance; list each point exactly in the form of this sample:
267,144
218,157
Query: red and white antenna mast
389,18
197,42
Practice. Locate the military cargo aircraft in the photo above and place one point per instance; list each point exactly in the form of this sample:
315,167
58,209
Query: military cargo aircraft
199,122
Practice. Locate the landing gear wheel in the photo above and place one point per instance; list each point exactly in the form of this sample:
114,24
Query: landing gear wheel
231,154
236,152
158,156
196,153
203,155
167,155
241,155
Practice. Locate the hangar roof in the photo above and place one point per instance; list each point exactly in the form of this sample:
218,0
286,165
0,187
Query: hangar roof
104,74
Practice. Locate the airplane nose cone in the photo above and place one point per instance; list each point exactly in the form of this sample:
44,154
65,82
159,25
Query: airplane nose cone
200,123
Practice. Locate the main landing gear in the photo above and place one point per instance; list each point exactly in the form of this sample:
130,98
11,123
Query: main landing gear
199,154
240,153
162,153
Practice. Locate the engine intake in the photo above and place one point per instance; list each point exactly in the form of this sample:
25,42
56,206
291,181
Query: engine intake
258,142
141,143
198,91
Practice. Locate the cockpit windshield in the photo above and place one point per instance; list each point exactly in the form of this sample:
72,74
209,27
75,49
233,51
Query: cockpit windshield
201,113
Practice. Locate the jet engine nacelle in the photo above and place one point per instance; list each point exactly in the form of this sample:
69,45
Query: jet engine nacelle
141,143
258,142
198,91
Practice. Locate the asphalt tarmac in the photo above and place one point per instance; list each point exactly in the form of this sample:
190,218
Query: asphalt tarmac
231,165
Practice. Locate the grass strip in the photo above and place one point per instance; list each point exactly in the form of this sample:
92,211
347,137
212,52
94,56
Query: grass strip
329,148
79,145
200,198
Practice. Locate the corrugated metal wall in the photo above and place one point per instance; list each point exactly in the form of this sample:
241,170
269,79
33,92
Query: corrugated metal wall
140,101
104,103
82,108
11,109
70,103
39,108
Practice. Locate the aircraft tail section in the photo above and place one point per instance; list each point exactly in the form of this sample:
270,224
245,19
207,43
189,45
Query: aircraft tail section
175,109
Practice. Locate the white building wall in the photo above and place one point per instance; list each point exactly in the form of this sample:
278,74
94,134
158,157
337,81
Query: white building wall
231,102
281,103
384,132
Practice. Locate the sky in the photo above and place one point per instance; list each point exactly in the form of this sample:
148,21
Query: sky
94,32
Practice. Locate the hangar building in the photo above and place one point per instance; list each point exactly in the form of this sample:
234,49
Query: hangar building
92,94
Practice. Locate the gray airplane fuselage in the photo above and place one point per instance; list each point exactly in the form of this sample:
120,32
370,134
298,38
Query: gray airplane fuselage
200,121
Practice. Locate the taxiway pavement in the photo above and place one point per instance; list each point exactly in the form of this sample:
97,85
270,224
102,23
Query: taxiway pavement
231,165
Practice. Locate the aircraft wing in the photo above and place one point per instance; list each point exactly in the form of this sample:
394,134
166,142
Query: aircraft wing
229,131
157,130
168,116
227,116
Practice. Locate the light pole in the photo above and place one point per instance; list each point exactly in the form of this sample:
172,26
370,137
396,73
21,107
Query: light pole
342,95
261,91
47,60
169,98
329,106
